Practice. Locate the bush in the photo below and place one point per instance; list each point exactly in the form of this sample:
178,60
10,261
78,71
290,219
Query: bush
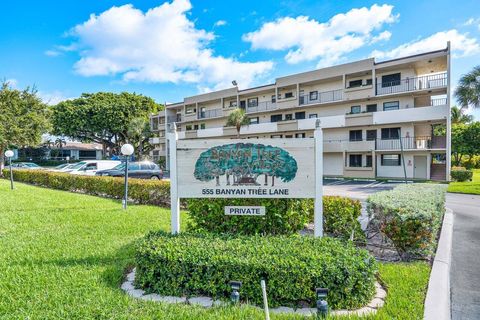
282,216
410,216
140,191
461,175
190,265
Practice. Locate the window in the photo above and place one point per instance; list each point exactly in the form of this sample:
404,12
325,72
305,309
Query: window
195,127
312,115
161,120
289,136
355,83
390,133
154,124
355,135
355,160
254,120
392,105
391,160
254,137
313,95
355,109
233,104
275,118
368,161
371,135
274,99
391,80
300,135
369,82
371,107
242,104
276,136
288,116
91,166
188,127
252,102
190,110
288,95
202,125
300,115
161,134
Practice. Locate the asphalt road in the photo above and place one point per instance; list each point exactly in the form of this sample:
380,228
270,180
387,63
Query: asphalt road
465,269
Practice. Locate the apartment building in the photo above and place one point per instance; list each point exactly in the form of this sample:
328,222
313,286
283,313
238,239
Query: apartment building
380,119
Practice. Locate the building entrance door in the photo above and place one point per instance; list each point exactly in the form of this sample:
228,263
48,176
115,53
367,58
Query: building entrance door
420,167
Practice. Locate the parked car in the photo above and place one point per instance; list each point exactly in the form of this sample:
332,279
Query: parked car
140,170
90,167
26,165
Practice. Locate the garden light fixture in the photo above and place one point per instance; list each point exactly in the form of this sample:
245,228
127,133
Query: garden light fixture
9,154
322,304
127,150
235,296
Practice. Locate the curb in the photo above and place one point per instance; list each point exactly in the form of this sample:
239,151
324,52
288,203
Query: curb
437,302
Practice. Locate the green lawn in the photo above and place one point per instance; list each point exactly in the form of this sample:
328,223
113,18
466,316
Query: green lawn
471,187
63,256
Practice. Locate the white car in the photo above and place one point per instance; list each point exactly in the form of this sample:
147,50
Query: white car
90,167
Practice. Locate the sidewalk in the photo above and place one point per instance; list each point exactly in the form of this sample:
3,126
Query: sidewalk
465,271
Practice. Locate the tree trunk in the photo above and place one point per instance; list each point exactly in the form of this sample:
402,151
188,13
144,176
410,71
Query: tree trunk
2,161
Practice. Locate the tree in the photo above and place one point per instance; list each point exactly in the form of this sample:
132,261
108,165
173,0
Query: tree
23,119
245,162
468,90
458,116
465,141
237,118
139,134
105,118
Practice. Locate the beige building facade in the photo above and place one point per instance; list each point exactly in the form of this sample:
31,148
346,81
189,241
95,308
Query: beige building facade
380,119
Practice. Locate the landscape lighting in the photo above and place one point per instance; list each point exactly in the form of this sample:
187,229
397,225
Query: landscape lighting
235,296
127,150
9,154
322,304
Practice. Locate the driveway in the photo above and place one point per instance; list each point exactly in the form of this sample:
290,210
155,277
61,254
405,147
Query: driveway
356,189
465,269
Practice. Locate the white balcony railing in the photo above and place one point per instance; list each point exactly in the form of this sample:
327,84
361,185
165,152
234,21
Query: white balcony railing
321,97
262,106
412,84
214,113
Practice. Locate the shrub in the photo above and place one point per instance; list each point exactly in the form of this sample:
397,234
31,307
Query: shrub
140,191
461,175
293,267
410,216
282,216
341,218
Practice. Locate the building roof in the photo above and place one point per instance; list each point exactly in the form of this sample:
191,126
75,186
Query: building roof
79,146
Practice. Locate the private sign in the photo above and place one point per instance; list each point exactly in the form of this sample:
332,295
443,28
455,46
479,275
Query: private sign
244,211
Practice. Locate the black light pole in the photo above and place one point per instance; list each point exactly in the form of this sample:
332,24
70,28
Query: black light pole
127,151
9,154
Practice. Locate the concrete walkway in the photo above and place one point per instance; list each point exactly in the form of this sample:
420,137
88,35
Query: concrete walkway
465,271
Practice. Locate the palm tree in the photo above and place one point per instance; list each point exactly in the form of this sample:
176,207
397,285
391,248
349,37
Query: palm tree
468,90
237,118
458,116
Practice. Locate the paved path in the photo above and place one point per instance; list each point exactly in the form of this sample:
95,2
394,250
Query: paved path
465,270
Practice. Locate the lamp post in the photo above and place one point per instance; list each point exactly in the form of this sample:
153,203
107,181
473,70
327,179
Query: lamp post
127,151
9,154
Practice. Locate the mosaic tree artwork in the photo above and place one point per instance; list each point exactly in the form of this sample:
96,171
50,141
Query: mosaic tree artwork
243,163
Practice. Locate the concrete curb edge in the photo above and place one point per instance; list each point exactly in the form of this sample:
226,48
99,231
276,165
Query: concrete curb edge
437,301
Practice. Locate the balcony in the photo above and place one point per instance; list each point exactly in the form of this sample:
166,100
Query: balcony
412,143
262,106
177,118
412,84
321,97
214,113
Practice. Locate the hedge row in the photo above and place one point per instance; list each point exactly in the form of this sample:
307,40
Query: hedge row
139,191
410,216
460,174
191,265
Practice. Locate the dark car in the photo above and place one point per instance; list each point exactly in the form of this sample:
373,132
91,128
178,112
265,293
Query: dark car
139,170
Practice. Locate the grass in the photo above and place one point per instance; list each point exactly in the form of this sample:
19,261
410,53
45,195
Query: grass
470,187
63,256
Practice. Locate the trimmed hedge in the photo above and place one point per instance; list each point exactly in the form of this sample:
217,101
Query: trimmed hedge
282,216
139,191
461,175
410,216
191,265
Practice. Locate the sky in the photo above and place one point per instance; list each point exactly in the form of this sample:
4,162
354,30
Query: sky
179,48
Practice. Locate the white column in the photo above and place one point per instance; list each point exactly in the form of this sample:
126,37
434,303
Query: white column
318,213
174,200
449,121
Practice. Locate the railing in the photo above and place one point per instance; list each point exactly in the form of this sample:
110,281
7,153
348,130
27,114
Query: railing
210,113
412,84
327,96
262,106
438,102
171,119
409,143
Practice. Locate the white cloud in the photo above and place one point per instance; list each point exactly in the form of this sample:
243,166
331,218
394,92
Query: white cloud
462,45
52,53
12,82
472,21
160,45
307,39
382,36
52,98
220,23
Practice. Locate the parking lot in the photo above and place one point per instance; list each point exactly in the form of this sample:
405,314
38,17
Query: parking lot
356,189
